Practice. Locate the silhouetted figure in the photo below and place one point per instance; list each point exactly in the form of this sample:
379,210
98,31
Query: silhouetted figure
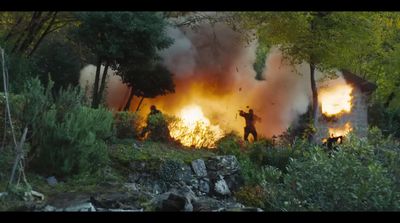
156,126
332,141
250,118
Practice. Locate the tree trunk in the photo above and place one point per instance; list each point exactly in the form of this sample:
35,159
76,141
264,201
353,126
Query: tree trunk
128,103
23,33
314,94
31,29
140,103
11,32
43,34
102,85
96,83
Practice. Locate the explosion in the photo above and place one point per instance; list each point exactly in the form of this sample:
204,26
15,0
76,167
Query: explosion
335,100
336,132
192,128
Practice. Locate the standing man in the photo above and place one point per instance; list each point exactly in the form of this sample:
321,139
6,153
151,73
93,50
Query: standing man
250,118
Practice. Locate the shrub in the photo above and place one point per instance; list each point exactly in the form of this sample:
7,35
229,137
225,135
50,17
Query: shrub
157,126
253,196
74,145
67,138
264,152
127,125
340,182
230,144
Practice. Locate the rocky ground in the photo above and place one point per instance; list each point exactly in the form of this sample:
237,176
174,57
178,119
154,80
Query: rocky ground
204,184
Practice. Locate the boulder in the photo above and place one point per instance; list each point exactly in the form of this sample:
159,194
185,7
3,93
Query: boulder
119,200
220,187
223,165
173,171
52,181
175,200
204,185
211,204
49,208
199,168
234,182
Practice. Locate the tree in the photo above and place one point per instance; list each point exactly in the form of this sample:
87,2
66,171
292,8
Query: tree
326,40
58,58
115,36
24,31
146,82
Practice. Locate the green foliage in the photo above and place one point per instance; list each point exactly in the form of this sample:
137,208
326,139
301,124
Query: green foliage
386,119
261,57
76,143
336,183
127,125
263,153
158,128
128,42
16,106
67,138
230,144
58,58
137,151
19,69
253,196
147,81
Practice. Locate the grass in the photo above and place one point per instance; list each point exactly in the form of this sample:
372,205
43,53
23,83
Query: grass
146,151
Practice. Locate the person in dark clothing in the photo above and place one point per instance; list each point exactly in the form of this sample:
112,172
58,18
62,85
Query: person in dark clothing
250,118
156,125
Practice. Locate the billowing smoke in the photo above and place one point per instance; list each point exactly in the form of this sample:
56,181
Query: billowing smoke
213,68
116,93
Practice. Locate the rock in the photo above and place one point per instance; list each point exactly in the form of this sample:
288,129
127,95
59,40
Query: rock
204,185
211,204
52,181
49,208
220,187
157,189
234,182
223,165
173,171
176,200
118,200
131,186
199,168
3,194
120,210
81,207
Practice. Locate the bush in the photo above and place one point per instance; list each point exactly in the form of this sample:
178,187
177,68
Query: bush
264,152
253,196
157,126
74,145
230,144
57,57
341,182
127,125
67,138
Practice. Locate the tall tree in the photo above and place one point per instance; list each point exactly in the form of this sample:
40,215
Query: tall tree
24,31
326,40
115,36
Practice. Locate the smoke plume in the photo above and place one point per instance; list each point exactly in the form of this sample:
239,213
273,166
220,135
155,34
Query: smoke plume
213,68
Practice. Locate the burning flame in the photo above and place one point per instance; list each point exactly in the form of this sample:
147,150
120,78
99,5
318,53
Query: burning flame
192,128
336,132
335,100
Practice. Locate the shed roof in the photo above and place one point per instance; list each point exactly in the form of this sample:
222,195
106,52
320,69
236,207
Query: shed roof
364,85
